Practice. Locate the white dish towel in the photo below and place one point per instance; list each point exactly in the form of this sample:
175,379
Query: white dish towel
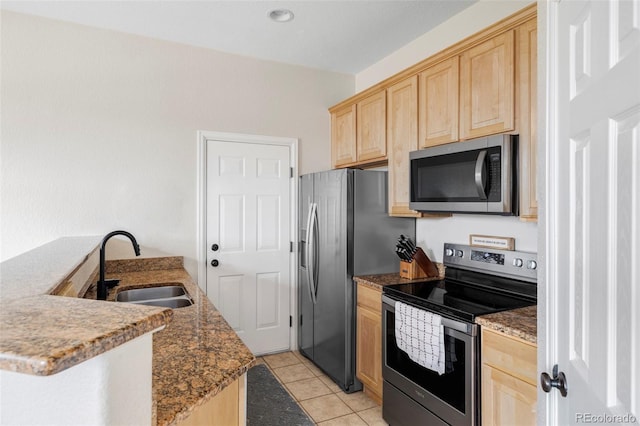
421,335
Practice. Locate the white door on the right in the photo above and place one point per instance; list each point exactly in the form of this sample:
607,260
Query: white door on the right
592,226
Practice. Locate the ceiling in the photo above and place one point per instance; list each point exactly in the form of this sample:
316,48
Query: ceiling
341,36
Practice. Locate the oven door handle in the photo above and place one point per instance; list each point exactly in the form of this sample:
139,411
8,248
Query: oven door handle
481,175
463,327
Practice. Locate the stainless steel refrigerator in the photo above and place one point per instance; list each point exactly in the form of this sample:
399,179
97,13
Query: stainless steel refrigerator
344,230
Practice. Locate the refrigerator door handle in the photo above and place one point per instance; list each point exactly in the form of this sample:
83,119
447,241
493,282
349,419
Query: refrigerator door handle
316,251
311,255
308,251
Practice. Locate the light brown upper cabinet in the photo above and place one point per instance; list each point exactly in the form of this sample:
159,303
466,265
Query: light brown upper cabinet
527,88
371,138
402,137
487,87
483,85
439,103
343,136
358,132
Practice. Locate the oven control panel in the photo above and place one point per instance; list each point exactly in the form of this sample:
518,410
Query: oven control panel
509,263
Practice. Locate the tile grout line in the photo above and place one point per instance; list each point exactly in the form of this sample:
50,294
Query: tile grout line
287,389
317,374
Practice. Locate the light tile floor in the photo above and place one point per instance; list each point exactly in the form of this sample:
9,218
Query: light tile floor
319,396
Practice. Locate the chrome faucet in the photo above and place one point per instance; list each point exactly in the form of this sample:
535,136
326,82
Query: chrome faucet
105,285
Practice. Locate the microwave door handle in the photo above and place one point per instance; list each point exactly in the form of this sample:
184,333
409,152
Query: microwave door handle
480,175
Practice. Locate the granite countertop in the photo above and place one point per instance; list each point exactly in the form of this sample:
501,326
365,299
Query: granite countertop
378,281
519,323
42,334
198,354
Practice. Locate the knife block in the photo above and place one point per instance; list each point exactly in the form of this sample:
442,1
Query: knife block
421,267
411,270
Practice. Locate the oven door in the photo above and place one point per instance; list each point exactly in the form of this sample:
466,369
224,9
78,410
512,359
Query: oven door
452,396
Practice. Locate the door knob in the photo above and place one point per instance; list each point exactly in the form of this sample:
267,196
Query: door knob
215,263
215,247
558,381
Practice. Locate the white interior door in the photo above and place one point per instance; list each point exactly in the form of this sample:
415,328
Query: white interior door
591,231
248,233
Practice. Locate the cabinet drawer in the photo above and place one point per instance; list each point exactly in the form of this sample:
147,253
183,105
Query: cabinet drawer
511,355
370,298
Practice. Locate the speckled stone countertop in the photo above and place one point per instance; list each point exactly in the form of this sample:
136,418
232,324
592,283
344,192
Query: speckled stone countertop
42,334
42,270
198,354
378,281
519,323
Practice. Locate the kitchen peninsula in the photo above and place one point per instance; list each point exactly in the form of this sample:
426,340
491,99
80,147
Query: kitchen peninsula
132,363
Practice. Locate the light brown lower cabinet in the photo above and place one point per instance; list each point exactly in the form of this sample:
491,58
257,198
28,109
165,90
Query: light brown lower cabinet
225,409
508,380
369,341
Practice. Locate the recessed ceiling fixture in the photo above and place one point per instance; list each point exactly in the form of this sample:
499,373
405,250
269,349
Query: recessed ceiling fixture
281,15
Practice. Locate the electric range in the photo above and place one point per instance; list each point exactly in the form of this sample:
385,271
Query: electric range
478,281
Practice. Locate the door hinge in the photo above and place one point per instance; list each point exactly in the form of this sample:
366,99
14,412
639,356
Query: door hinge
290,321
300,320
290,246
291,172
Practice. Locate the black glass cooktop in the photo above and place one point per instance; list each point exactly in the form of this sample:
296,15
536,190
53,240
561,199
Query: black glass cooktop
465,295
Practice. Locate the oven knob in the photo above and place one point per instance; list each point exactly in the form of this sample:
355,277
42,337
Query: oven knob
448,252
532,264
459,253
517,262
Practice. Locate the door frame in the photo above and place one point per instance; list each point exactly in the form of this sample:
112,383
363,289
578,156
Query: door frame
201,208
546,407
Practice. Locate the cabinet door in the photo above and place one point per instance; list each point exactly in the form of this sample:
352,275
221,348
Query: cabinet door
402,137
369,340
439,103
371,139
226,408
343,136
369,349
527,88
506,400
487,87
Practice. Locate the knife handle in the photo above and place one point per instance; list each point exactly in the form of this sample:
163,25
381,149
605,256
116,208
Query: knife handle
425,263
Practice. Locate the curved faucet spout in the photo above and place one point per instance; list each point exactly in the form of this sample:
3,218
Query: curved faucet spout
104,285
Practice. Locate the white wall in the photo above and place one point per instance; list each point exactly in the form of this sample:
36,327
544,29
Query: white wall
433,233
113,388
99,129
466,23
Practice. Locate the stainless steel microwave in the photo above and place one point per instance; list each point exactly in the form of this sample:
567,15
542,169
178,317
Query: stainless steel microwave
474,176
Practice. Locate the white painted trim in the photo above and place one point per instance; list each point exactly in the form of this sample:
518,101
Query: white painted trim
547,405
201,206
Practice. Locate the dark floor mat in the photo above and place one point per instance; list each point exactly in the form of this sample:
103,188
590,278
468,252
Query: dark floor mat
268,403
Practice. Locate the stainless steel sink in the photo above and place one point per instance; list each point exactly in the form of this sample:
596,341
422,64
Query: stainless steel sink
170,295
147,293
167,303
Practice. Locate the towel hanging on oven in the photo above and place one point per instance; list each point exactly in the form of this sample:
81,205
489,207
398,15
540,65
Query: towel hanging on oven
421,335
